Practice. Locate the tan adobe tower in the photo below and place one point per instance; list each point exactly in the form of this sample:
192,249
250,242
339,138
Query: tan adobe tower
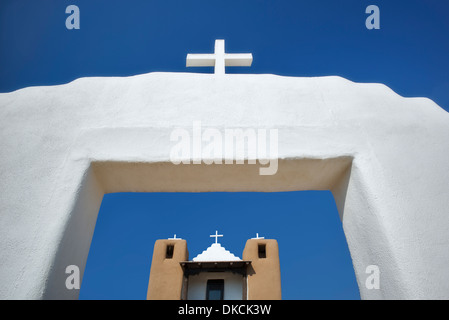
166,276
216,273
264,278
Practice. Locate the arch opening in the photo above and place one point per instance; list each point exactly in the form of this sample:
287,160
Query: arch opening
116,177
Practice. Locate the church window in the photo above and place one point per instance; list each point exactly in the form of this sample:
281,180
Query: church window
169,251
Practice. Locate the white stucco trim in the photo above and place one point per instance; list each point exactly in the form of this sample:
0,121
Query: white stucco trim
216,253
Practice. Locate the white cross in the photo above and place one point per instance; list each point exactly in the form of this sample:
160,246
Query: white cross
174,238
216,235
219,59
257,237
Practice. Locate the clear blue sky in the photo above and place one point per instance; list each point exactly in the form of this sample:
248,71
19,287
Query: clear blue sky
410,54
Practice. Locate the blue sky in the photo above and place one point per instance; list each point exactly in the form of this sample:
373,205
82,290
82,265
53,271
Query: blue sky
128,225
410,54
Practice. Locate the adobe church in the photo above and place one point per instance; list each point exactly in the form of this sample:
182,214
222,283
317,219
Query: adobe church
215,274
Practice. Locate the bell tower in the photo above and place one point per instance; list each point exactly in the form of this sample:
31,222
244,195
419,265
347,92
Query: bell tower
166,276
264,274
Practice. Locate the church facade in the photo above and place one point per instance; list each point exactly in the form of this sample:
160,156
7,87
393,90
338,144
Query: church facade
215,274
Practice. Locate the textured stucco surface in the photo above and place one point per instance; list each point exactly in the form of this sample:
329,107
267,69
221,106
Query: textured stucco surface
165,282
384,157
264,274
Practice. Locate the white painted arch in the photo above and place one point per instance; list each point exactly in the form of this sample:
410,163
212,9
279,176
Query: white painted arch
383,156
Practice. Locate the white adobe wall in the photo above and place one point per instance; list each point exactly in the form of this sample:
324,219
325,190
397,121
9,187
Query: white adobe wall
384,157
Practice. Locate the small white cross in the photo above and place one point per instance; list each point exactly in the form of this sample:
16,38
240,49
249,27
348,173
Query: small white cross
216,235
219,59
174,238
257,237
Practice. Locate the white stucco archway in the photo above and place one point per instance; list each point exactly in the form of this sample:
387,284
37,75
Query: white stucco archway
384,157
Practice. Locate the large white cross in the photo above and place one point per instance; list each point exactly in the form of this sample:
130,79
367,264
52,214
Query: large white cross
219,59
216,235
